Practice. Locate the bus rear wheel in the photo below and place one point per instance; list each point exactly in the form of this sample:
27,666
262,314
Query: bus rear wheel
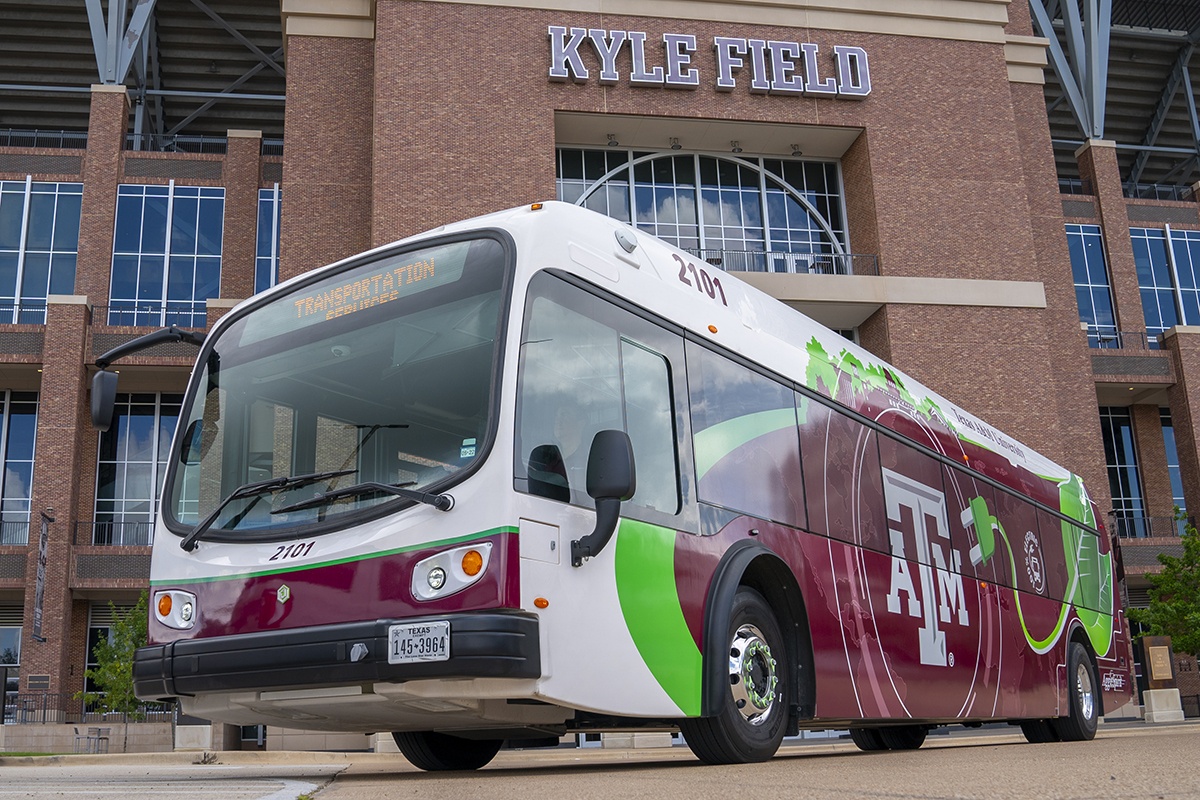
867,739
1084,709
753,719
903,737
439,752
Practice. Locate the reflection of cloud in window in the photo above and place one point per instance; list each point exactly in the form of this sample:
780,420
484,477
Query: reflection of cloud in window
15,485
673,208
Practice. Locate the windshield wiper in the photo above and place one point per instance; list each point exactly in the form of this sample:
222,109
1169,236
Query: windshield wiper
257,490
442,502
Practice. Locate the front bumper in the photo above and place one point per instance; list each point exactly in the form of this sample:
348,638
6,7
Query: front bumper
482,645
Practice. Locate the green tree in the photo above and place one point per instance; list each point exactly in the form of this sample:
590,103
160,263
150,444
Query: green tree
113,673
1175,596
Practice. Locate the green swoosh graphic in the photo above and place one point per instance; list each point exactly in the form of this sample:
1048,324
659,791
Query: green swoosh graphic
645,572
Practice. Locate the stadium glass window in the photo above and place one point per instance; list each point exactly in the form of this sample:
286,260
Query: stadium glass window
1093,289
1168,268
102,616
1173,470
266,252
1124,477
18,427
12,616
130,467
166,255
743,213
39,244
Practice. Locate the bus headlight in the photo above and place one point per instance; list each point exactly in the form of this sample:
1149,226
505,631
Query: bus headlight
175,609
450,571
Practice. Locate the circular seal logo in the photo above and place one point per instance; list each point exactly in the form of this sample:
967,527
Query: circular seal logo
1033,563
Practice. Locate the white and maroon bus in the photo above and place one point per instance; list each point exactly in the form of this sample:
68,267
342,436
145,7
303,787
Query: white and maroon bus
539,472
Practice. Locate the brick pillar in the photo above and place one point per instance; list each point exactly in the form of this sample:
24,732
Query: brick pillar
1098,163
1183,342
240,174
102,167
62,422
326,197
1152,463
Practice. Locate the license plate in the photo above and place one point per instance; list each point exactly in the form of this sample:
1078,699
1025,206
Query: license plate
416,642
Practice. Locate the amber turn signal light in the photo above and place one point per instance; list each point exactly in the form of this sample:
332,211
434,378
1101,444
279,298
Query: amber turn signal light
472,562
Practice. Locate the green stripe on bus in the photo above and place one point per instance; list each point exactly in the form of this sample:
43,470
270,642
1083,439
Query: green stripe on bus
645,572
334,562
713,444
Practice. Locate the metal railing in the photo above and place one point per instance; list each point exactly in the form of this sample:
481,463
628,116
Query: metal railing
23,312
272,147
793,263
1156,191
152,315
115,534
1146,527
58,140
1075,186
14,533
177,143
1111,339
32,708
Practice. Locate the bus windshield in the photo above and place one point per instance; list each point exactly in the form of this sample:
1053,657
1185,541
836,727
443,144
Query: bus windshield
381,373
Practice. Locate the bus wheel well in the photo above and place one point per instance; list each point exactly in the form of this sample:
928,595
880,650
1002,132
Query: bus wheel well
1080,635
758,568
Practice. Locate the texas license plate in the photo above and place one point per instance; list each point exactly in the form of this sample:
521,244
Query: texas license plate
421,641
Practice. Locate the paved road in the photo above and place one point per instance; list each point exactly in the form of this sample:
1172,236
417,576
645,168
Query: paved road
1126,762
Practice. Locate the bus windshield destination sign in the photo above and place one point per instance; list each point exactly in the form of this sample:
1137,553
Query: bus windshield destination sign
360,289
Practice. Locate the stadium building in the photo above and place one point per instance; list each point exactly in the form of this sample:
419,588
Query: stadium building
997,196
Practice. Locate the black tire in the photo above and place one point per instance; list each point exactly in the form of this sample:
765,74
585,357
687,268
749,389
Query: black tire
438,752
903,737
1038,731
752,721
1083,713
867,739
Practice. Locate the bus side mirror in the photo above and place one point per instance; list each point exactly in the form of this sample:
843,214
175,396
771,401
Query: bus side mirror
104,398
611,480
610,470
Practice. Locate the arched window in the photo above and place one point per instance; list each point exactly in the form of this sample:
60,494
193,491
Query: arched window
756,214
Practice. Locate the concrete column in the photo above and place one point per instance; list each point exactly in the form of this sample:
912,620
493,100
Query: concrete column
102,169
61,426
240,174
1183,342
1098,164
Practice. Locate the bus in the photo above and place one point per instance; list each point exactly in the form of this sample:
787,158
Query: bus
541,473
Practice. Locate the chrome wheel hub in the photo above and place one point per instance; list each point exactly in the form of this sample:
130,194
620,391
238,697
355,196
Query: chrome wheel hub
1083,690
752,677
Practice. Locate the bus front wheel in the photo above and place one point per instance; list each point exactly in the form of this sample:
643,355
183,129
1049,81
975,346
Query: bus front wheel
753,719
438,752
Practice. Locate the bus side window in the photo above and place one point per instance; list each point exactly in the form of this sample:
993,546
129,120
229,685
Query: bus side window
919,522
1018,518
963,494
744,438
588,366
1054,555
842,477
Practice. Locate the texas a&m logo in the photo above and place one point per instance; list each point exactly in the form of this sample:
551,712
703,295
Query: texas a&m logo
919,532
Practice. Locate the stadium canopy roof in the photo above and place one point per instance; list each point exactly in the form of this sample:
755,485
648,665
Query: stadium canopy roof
201,67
